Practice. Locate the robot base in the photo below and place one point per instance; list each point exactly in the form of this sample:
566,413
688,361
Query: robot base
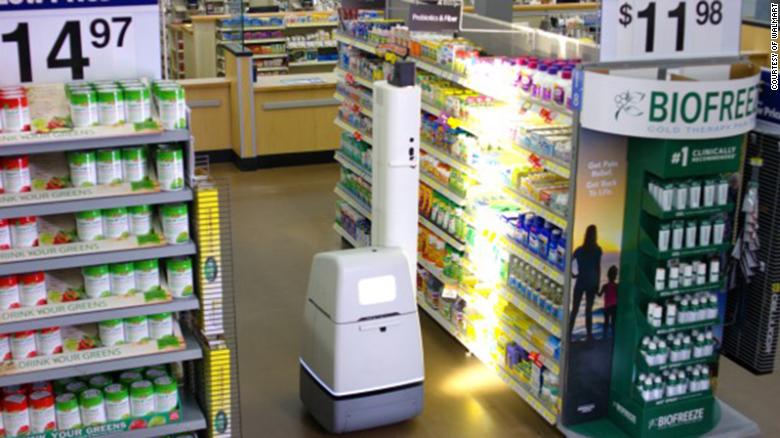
360,411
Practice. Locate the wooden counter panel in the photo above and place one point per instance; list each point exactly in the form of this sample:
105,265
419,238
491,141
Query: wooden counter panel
294,130
210,115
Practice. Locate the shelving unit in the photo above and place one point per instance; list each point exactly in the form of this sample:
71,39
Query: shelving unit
47,258
481,238
650,161
302,54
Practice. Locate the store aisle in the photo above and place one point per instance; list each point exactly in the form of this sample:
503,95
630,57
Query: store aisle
281,218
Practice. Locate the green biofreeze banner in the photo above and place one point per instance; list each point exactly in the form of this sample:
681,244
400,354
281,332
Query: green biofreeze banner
669,109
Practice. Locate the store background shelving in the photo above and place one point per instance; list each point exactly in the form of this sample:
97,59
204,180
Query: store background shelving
497,294
292,42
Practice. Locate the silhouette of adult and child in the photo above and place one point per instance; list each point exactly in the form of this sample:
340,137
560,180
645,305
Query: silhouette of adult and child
588,279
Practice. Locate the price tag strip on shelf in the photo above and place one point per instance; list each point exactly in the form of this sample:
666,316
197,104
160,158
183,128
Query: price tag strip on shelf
57,41
523,341
341,232
80,248
363,110
536,262
358,134
353,201
532,205
525,395
73,194
669,29
352,166
80,349
442,234
439,187
69,308
531,310
447,158
366,47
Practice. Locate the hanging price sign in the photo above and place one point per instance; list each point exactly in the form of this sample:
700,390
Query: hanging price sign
633,30
65,40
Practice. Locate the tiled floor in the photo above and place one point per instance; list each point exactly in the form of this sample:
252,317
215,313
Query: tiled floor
281,218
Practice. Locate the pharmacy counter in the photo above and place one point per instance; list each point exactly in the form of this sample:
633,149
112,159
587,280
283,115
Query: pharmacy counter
294,119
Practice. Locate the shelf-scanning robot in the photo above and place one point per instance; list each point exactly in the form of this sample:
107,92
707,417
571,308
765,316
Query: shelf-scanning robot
362,360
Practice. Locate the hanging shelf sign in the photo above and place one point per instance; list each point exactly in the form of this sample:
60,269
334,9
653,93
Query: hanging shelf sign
669,109
48,41
434,18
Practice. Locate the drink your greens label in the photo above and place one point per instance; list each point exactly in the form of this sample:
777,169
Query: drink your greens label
669,109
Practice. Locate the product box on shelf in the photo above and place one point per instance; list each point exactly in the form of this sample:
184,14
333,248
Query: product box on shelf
85,110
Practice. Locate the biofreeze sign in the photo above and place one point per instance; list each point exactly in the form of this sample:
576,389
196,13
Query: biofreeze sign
669,109
677,419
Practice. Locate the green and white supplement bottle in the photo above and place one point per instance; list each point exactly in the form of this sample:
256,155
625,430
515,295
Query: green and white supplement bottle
117,402
99,381
111,105
83,168
179,274
76,387
111,332
136,329
147,275
93,411
127,378
166,394
60,384
135,163
160,325
153,373
97,281
138,104
142,398
67,412
122,278
109,166
83,107
89,225
116,224
140,220
176,223
170,167
172,106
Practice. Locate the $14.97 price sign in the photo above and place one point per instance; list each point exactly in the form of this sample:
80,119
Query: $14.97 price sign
45,41
633,30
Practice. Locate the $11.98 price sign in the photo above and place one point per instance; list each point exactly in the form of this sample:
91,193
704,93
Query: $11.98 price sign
45,41
633,30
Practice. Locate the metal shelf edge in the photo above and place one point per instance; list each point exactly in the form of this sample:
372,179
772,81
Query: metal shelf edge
177,305
96,203
192,351
68,144
98,258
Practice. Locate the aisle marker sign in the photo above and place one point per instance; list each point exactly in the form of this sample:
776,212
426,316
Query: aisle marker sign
669,109
634,30
434,18
47,41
